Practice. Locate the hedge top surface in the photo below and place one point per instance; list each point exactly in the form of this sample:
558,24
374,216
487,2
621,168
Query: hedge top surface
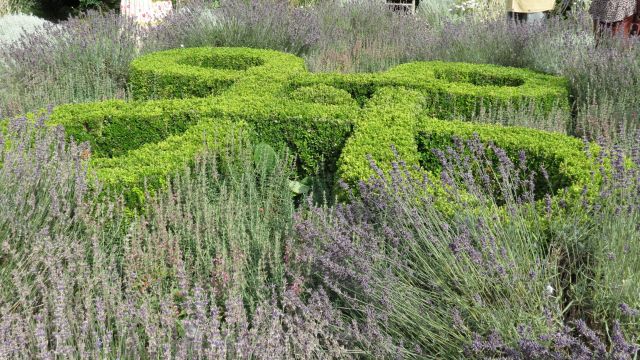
315,115
481,80
456,86
563,158
207,71
462,77
463,87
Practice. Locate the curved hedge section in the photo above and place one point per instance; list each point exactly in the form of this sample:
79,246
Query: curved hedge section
199,72
563,158
457,89
185,96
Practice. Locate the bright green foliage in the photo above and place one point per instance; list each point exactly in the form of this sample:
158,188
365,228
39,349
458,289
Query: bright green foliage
322,94
187,95
313,131
458,88
200,72
388,120
115,127
151,164
563,158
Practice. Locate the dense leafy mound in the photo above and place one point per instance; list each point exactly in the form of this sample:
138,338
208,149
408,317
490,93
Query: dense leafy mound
267,95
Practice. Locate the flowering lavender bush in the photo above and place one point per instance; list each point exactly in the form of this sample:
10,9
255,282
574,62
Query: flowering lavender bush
200,275
271,24
365,36
85,58
502,276
222,264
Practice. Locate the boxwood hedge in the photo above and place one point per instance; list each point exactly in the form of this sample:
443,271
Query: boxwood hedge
388,119
149,165
563,158
268,96
457,89
199,72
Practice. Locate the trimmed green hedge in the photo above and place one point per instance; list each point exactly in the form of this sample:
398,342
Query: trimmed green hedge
181,94
151,164
316,133
388,119
457,89
322,94
200,72
563,157
392,117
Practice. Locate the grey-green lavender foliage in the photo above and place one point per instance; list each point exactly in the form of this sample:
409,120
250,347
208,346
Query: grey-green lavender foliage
517,278
212,270
271,24
208,270
201,275
83,59
12,26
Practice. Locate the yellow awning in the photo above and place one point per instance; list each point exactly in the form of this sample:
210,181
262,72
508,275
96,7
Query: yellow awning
530,6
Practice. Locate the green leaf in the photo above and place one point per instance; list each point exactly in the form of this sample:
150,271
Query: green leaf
298,187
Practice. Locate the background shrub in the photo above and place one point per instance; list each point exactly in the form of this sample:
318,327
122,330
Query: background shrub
86,58
8,7
271,24
138,132
14,25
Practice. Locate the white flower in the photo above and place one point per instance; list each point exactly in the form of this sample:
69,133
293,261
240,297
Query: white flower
549,289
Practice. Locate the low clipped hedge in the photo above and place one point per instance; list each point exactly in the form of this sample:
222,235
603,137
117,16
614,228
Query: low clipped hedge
563,157
322,94
182,94
392,118
149,166
388,120
316,133
457,89
200,72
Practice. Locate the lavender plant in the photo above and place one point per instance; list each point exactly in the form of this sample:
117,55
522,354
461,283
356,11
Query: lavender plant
604,256
210,269
272,24
200,275
495,277
83,59
43,186
362,36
